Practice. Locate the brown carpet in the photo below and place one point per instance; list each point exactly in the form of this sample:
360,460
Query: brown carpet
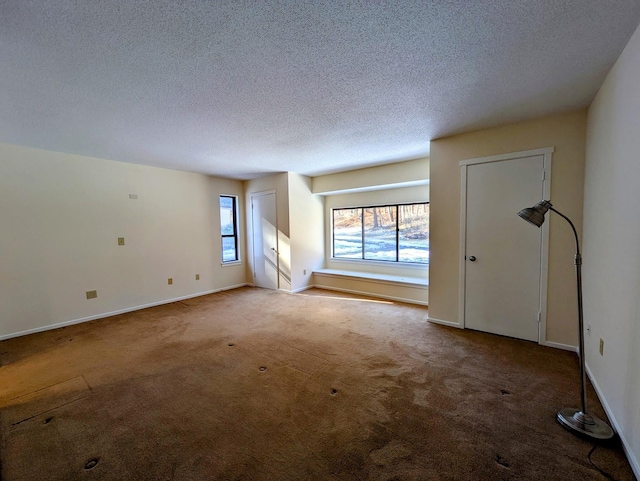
254,384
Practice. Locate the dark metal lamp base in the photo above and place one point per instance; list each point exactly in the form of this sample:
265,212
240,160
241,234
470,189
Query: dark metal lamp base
584,424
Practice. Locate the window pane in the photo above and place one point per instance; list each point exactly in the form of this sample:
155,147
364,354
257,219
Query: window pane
380,233
227,215
347,233
229,249
228,228
414,233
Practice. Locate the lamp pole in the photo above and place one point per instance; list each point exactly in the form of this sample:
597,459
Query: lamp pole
578,263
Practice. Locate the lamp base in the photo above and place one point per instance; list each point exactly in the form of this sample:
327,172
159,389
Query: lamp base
584,424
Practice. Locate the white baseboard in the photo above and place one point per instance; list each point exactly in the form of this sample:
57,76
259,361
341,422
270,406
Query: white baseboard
114,313
369,294
444,323
302,289
557,345
633,461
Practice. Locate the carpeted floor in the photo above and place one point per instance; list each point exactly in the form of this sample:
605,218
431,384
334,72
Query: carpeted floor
254,384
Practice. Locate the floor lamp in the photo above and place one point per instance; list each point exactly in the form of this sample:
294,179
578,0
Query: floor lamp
573,419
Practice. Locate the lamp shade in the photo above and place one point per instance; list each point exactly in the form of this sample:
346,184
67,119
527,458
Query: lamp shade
535,214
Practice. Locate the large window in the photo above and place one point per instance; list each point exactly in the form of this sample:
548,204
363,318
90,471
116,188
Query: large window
229,227
395,233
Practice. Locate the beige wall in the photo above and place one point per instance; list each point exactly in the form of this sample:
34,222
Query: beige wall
612,246
565,132
306,215
374,178
61,217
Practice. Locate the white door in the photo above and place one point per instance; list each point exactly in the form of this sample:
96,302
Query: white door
502,260
265,240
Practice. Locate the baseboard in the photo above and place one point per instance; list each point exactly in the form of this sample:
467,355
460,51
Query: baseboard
444,323
305,288
635,465
557,345
114,313
369,294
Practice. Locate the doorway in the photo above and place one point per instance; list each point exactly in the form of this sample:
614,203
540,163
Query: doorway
503,260
265,240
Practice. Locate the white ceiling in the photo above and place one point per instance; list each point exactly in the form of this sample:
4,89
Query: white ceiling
244,88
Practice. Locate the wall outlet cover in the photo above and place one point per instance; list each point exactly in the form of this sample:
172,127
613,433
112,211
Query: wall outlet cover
120,241
197,277
170,281
92,294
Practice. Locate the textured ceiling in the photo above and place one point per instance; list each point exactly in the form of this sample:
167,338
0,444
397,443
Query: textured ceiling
243,88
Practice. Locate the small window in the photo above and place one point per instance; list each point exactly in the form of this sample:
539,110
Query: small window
229,228
393,233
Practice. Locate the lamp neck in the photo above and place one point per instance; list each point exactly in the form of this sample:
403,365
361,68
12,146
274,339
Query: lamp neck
578,258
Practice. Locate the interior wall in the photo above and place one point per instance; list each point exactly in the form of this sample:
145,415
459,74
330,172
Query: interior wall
612,245
566,132
306,215
280,184
62,216
370,178
379,197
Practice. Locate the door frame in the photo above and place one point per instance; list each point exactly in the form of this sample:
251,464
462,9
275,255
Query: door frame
544,257
252,196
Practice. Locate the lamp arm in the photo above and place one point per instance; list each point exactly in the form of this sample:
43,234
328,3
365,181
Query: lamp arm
575,232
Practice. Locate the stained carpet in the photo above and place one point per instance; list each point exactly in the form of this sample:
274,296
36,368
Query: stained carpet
252,384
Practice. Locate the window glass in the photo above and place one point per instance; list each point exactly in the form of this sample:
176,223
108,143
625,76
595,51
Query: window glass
347,233
229,228
380,233
229,249
413,233
394,233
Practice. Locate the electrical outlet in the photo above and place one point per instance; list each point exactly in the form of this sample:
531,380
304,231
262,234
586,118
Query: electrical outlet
133,196
120,241
197,277
602,347
170,280
304,272
92,294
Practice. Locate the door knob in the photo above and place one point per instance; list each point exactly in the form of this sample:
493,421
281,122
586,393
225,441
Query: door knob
472,258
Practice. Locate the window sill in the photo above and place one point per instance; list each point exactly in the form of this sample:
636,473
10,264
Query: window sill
403,265
232,263
372,277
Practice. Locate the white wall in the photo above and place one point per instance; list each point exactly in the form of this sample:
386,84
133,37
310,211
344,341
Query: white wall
60,217
612,245
306,216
